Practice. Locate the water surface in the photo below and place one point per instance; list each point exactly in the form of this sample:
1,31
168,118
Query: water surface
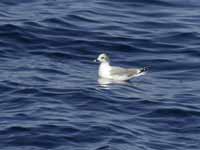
50,97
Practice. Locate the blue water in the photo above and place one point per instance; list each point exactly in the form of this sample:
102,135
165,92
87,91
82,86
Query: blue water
50,97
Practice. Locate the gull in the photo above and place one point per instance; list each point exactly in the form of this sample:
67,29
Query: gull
116,73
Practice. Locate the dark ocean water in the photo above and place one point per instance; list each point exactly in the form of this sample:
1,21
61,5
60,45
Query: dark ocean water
50,97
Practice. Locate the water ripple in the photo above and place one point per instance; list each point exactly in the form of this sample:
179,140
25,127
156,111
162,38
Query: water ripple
51,97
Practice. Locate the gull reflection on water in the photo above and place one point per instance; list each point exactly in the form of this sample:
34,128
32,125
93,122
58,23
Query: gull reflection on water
107,82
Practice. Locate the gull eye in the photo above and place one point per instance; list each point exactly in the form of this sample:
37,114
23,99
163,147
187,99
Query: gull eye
102,57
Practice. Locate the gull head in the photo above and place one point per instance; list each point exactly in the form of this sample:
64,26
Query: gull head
103,58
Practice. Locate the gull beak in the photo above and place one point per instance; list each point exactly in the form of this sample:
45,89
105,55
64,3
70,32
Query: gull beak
95,60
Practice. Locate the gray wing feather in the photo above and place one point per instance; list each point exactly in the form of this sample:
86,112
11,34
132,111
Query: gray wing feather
124,72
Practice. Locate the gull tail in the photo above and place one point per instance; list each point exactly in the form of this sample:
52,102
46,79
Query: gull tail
143,70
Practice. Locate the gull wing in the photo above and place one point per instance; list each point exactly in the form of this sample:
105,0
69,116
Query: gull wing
118,71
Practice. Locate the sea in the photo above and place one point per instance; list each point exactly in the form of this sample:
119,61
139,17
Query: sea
51,97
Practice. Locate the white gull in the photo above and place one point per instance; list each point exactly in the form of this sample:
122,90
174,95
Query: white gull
117,73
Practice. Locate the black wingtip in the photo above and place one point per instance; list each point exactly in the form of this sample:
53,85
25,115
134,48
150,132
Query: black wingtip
144,69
